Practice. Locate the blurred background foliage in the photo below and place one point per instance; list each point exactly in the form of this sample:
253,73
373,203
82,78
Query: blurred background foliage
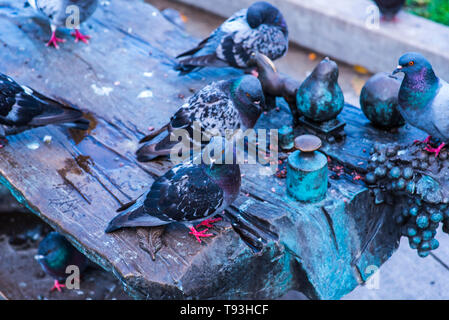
436,10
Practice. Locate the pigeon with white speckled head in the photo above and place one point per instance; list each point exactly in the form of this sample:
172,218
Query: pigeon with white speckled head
22,108
65,13
260,28
188,193
227,104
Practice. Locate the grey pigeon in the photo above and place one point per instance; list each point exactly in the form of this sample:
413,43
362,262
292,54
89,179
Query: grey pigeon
227,104
260,28
22,108
189,193
389,8
276,84
55,254
424,99
61,13
319,97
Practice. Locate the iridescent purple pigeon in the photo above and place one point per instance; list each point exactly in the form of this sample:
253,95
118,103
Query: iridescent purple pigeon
55,254
424,99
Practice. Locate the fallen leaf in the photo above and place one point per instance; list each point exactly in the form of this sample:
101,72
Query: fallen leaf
360,69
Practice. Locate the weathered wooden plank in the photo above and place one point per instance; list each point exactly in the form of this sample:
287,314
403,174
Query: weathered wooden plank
76,182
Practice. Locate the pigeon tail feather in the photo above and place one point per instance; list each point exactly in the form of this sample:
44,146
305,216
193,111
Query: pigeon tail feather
133,215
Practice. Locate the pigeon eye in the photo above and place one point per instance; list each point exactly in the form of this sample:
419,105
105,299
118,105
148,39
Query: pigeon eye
248,95
411,63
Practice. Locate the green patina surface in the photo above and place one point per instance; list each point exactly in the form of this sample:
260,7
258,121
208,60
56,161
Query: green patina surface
307,176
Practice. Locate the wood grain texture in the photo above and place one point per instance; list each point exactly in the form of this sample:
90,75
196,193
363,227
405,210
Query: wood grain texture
270,243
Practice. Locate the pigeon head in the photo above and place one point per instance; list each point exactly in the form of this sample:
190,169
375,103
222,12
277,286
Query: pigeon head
54,251
247,92
413,63
262,12
326,70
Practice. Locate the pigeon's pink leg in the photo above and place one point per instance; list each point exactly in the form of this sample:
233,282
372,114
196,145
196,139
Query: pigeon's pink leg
427,140
199,234
437,150
208,222
79,36
54,40
57,286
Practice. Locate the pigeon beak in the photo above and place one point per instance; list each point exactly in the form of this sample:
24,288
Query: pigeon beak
398,69
39,257
261,104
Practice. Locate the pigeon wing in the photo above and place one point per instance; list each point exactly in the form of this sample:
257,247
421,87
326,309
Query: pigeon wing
185,193
23,106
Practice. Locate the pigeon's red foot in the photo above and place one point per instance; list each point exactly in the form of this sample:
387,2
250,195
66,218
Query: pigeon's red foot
208,222
79,36
199,234
54,40
426,141
437,150
57,286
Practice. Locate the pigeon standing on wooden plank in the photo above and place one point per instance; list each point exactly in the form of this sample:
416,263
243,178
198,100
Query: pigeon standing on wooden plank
389,8
55,254
424,99
188,193
231,104
65,13
260,28
22,108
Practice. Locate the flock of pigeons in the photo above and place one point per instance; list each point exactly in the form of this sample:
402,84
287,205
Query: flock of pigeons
190,192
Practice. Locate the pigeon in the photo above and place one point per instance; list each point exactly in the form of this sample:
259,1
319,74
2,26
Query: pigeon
22,108
379,100
319,97
66,14
260,28
424,99
227,104
389,8
55,254
275,84
188,193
